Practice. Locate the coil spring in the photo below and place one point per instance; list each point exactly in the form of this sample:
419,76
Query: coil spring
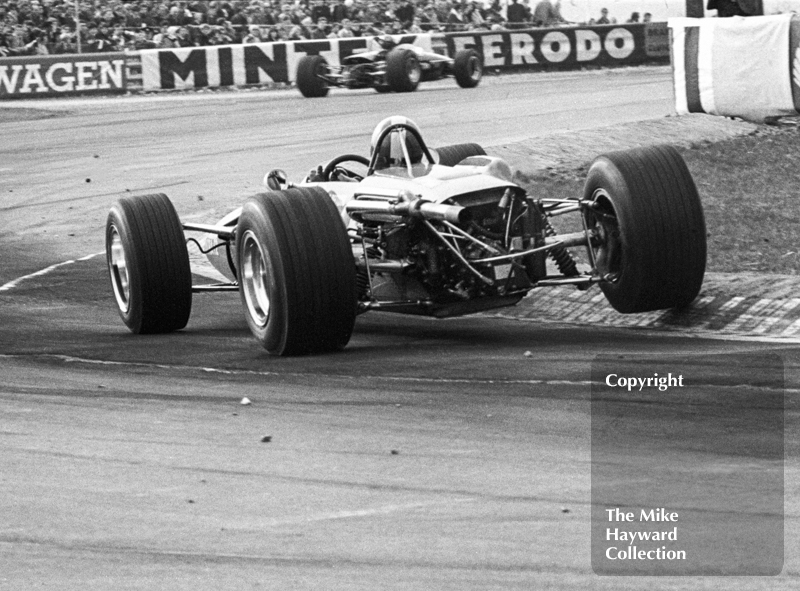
362,278
559,254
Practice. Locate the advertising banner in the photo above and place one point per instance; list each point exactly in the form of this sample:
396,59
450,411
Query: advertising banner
601,45
35,76
241,65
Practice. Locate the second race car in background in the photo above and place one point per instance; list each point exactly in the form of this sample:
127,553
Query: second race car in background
392,68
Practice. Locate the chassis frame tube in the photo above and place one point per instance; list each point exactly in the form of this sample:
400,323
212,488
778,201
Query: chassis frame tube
224,232
565,240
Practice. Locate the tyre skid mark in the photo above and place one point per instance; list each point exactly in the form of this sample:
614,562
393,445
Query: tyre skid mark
347,377
268,559
263,373
199,267
14,283
72,199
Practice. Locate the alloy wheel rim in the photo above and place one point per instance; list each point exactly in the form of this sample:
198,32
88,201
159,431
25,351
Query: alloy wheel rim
475,68
120,278
606,226
414,71
255,280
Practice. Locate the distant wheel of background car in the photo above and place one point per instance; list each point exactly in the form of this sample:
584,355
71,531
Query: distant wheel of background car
297,278
452,155
652,234
149,264
468,68
382,88
309,72
403,71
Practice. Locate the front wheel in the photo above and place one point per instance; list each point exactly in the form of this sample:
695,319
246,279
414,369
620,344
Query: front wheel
468,68
650,234
310,80
297,276
403,71
148,264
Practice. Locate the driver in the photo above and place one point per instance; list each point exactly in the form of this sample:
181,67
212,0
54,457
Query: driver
386,42
400,149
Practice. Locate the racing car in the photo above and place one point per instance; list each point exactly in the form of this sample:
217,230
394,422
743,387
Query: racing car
390,68
413,230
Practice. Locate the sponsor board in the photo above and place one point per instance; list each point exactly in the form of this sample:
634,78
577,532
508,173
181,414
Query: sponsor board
567,47
96,73
241,65
656,40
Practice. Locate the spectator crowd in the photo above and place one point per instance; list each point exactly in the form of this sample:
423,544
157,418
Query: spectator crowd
39,27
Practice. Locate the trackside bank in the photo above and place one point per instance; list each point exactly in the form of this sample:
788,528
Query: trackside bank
266,63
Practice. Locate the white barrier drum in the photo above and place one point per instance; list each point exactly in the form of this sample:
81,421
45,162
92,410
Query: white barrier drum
746,67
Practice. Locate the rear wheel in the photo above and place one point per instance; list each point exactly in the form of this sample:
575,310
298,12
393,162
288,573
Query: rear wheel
148,264
452,155
310,72
651,245
403,71
296,272
468,68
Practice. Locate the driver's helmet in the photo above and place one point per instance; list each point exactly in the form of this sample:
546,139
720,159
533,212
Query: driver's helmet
397,145
386,42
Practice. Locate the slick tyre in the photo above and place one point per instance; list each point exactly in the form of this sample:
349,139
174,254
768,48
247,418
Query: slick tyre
309,81
148,264
297,275
650,228
452,155
468,68
403,71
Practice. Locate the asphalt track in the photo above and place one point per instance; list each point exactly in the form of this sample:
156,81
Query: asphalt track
428,455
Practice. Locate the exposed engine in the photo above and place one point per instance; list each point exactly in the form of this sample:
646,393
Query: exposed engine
444,263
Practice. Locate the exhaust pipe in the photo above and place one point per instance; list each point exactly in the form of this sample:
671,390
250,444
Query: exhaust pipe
416,208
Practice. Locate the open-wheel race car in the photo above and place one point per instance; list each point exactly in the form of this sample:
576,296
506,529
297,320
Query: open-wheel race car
391,68
418,231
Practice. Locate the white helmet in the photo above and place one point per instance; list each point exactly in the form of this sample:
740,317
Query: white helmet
398,147
386,42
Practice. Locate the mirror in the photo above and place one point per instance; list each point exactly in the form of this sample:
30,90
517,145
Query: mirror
276,179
